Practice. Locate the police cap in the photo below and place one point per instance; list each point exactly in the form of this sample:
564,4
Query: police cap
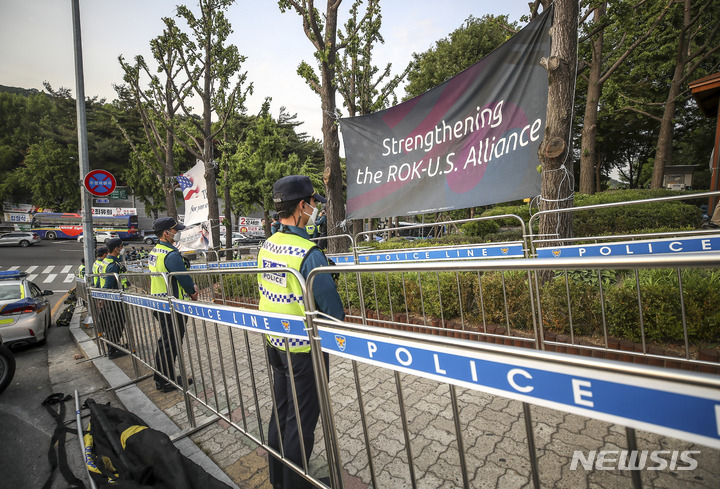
165,223
101,251
295,187
113,243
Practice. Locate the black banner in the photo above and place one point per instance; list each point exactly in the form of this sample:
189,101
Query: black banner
471,141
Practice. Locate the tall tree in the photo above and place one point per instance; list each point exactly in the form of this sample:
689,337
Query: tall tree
697,42
58,187
259,161
157,107
555,152
213,70
321,30
632,25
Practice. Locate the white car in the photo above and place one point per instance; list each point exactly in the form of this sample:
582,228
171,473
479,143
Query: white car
24,310
100,236
19,238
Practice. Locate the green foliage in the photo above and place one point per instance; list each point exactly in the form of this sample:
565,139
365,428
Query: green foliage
465,46
661,307
633,218
489,228
50,173
494,288
480,228
584,305
32,120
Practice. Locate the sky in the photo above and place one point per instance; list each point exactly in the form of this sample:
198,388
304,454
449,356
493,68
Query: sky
36,43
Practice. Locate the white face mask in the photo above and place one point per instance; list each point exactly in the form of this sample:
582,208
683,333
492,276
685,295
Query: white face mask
122,252
313,216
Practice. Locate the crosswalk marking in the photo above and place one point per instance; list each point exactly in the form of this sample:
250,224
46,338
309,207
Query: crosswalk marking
64,276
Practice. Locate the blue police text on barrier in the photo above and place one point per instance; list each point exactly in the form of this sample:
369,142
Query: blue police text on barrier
161,305
249,319
107,296
661,406
509,250
645,247
225,264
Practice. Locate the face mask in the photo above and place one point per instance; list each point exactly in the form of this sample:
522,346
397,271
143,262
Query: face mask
312,215
171,236
122,252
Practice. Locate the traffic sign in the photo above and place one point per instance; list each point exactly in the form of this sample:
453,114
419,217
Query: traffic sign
100,182
102,201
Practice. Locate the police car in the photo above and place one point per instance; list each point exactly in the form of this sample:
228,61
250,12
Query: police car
24,310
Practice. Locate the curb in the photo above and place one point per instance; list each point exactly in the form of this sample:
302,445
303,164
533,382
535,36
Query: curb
135,400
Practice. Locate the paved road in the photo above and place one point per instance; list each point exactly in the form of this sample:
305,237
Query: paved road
25,426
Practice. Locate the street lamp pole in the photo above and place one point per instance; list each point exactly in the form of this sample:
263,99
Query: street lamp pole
88,236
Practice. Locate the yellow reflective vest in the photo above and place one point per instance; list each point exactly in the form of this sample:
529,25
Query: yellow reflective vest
281,292
156,264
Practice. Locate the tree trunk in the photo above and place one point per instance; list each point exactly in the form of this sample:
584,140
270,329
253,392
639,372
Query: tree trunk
663,151
228,210
588,155
357,227
555,151
168,183
332,175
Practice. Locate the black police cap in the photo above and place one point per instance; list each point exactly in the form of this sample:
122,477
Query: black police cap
165,223
113,243
295,187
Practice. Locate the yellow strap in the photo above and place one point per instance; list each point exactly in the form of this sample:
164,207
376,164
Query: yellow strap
130,432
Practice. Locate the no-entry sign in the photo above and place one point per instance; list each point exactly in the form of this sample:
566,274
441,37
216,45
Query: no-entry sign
100,182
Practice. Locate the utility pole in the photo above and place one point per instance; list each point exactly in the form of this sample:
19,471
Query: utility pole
89,237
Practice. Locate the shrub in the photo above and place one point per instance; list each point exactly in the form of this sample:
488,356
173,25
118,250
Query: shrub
673,215
584,305
517,291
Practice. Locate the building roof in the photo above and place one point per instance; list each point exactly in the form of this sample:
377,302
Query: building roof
706,92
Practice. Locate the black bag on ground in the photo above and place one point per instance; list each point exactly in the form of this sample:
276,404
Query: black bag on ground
121,452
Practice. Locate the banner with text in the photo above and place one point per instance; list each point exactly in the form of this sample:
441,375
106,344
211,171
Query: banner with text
471,141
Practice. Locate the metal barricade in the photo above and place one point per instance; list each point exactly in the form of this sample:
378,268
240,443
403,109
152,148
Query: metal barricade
424,404
442,382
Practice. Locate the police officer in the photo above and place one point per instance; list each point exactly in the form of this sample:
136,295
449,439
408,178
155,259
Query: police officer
81,268
166,258
98,265
112,264
296,202
275,226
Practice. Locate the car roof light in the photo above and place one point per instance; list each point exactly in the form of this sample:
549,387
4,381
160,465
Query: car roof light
12,275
